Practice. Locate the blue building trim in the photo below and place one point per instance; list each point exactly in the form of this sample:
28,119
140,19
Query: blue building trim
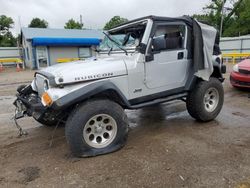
24,56
48,54
34,61
27,53
42,41
78,51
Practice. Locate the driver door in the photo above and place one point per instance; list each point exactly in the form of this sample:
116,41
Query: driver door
168,69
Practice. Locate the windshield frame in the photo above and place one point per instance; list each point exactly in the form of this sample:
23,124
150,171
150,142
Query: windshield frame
123,49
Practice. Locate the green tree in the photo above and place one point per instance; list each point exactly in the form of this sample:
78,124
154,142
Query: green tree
38,23
6,37
240,21
5,23
7,40
116,20
72,24
213,13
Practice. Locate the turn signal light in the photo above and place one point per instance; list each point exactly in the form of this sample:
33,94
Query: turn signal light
46,100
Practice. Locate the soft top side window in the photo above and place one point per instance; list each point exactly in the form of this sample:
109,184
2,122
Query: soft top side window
169,37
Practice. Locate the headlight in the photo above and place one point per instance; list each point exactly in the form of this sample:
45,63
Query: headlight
46,85
33,85
236,68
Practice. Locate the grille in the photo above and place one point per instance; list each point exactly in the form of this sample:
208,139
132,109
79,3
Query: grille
242,71
40,84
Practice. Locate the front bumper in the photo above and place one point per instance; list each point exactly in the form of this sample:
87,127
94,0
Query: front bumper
240,80
29,104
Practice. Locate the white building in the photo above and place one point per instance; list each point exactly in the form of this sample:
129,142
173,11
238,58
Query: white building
43,47
235,44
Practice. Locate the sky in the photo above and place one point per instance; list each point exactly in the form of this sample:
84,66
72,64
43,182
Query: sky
95,13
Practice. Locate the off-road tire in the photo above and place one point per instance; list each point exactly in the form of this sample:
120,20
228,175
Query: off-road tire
80,118
196,100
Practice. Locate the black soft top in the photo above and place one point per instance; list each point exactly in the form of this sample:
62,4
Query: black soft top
187,19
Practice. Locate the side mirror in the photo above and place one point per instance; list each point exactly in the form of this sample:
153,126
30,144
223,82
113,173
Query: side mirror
159,43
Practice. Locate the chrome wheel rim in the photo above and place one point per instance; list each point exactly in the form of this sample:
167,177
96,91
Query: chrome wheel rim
211,99
100,131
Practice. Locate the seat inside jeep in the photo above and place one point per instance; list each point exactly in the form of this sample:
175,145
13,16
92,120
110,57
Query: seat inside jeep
173,40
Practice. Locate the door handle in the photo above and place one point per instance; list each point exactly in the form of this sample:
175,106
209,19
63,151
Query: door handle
180,55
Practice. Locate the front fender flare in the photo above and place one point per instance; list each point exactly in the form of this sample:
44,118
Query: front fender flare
87,92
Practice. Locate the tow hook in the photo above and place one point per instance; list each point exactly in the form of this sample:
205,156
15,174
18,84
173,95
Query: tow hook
21,132
19,113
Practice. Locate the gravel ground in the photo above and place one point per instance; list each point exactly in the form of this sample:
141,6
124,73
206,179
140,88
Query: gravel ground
165,148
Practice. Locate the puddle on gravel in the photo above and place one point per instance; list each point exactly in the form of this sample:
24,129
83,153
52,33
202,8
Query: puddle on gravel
240,114
29,174
177,115
137,117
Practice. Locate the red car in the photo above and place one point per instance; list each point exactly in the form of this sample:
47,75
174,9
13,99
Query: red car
240,76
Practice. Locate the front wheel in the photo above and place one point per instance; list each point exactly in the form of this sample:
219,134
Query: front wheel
96,127
205,101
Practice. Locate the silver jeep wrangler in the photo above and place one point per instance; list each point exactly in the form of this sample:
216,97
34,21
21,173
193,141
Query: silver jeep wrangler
140,63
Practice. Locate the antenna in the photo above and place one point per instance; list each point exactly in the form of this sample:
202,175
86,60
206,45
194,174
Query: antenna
18,39
19,22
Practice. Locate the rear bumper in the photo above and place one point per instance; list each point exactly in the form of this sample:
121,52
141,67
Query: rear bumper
240,80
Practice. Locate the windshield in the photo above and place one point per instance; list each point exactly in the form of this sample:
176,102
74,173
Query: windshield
125,39
116,41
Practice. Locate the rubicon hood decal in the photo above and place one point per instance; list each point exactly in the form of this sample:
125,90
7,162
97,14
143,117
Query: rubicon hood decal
87,70
93,77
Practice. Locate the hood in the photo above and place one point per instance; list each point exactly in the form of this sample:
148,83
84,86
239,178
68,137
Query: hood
245,64
85,70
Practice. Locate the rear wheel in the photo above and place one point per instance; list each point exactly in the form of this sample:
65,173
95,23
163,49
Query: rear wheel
96,127
205,101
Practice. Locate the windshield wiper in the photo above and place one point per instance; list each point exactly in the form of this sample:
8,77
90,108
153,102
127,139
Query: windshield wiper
115,42
110,50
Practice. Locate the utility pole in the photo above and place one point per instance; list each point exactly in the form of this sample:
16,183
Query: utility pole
19,22
222,17
81,21
19,41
